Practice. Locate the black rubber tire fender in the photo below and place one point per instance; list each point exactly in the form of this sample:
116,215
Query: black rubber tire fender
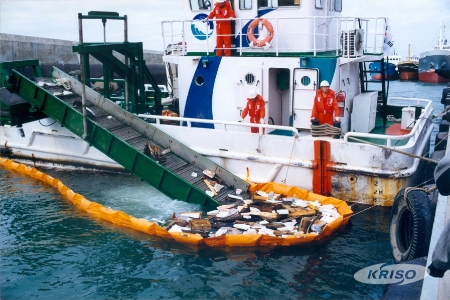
410,225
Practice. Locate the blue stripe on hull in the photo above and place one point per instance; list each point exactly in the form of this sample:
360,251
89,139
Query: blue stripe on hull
199,99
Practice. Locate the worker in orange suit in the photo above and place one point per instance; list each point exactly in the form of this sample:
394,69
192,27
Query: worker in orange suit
255,108
222,10
325,104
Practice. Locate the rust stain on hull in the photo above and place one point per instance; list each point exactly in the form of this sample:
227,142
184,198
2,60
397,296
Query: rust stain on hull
370,190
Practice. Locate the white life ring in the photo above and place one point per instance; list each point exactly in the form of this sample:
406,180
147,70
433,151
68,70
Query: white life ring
262,43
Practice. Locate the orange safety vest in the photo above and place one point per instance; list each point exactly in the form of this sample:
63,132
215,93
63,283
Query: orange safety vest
324,106
255,109
225,12
223,28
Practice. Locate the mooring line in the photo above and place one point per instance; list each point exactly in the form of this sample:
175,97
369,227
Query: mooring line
359,211
395,150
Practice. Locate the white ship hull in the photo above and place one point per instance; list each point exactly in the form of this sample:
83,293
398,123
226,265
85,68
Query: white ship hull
46,143
357,172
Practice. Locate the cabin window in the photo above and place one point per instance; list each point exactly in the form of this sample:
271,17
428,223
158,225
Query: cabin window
199,80
200,5
263,3
319,4
245,4
282,3
250,78
305,80
277,3
338,5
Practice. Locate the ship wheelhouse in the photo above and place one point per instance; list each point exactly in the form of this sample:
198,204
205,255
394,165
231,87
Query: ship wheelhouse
311,42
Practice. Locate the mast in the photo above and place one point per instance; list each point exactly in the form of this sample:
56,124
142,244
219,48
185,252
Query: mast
440,36
409,56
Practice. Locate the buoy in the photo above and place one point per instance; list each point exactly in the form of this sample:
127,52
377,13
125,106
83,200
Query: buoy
262,43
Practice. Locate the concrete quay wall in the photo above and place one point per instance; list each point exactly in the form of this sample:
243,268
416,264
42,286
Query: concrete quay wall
58,53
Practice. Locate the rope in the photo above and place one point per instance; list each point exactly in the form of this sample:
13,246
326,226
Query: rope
289,165
407,190
359,212
391,118
443,140
395,150
259,143
425,189
423,183
325,129
442,113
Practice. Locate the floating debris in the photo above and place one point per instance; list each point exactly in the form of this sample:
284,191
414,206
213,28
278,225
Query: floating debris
264,213
262,228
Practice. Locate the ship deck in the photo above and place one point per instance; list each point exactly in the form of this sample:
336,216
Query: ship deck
392,128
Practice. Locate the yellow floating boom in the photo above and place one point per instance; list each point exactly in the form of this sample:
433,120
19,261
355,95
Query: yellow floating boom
246,240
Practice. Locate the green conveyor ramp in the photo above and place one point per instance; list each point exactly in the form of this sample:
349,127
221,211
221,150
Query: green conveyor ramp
122,136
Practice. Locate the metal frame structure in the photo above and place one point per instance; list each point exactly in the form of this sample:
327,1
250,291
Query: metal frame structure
124,139
133,70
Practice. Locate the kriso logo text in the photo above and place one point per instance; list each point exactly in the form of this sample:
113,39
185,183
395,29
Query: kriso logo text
387,274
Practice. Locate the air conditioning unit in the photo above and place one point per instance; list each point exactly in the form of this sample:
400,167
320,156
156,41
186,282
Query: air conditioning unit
352,42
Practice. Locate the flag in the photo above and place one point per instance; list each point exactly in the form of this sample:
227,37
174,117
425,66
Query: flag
388,43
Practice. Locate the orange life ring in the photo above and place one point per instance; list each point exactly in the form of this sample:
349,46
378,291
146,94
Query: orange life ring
251,36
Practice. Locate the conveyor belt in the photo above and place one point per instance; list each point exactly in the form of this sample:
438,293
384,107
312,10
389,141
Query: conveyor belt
122,136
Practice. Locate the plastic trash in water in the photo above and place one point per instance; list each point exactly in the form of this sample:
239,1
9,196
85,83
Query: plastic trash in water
158,221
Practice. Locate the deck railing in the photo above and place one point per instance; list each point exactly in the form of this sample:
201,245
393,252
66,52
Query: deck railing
223,124
317,35
415,132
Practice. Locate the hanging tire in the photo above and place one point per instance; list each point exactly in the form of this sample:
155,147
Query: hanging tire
410,226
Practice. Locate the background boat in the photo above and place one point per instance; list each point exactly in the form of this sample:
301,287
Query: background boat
390,71
434,65
408,69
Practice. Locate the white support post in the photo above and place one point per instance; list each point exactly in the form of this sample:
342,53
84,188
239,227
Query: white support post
276,39
240,37
314,37
183,46
375,36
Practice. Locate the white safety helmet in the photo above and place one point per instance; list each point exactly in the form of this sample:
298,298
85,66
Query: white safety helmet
220,1
251,94
324,83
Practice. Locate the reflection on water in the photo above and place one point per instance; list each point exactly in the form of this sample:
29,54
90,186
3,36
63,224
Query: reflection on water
52,250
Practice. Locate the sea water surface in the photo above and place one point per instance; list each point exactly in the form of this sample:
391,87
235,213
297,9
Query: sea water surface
52,250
